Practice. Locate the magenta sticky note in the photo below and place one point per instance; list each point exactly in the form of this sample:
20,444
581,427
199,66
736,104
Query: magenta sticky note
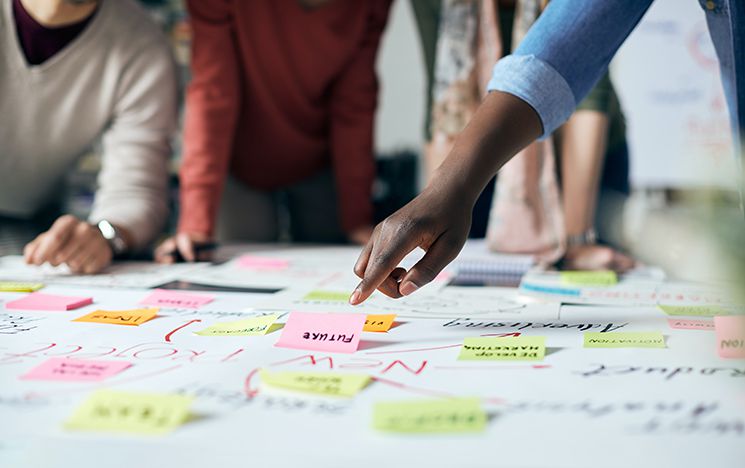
262,263
75,370
336,333
176,299
730,332
686,324
41,301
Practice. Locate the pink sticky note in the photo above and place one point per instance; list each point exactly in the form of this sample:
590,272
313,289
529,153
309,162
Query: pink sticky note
730,332
41,301
75,370
262,263
176,299
337,333
686,324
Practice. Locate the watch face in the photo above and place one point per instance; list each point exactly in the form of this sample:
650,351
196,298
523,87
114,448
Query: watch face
107,230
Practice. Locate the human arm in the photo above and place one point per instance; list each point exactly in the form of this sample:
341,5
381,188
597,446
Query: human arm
562,56
354,97
213,102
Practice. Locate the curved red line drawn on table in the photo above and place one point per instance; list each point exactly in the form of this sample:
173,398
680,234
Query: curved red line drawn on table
168,336
250,393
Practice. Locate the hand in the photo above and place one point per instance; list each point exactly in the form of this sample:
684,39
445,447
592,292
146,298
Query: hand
361,236
437,221
596,257
185,244
73,242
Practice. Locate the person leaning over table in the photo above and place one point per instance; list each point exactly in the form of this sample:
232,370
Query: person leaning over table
532,92
279,116
72,71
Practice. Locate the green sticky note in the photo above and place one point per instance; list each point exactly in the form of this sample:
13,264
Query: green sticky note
253,326
518,348
694,310
326,383
589,278
334,296
624,340
138,413
451,415
13,286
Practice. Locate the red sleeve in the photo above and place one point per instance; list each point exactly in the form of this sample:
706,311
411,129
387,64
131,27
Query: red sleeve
354,98
212,107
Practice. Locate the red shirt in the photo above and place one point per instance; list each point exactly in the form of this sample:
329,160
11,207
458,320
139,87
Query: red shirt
279,93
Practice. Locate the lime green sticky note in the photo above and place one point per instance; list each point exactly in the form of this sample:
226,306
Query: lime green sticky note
139,413
253,326
589,278
694,310
624,340
494,348
451,415
334,296
13,286
326,383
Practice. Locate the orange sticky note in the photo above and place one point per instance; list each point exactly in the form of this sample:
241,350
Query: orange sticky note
120,317
730,332
378,322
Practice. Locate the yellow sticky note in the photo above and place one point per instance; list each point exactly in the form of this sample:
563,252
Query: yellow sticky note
589,278
12,286
495,348
379,322
333,296
624,340
120,317
139,413
694,310
253,326
326,383
451,415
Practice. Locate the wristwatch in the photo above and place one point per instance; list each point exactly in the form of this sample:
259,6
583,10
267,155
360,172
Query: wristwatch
113,237
588,237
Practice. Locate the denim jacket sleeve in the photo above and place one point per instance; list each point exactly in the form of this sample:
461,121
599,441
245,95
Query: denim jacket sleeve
565,53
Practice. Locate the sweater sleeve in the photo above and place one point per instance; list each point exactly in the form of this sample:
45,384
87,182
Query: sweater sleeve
133,181
354,98
212,107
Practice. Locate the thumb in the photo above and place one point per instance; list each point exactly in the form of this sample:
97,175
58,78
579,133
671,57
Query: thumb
186,247
438,256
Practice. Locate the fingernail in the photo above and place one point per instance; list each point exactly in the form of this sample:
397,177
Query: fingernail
354,299
407,288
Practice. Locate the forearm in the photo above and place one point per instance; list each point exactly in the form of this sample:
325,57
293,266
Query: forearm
501,127
583,144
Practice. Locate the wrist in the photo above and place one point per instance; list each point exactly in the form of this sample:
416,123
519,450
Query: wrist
116,237
586,237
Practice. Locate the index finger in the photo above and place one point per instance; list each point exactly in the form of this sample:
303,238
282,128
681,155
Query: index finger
385,255
54,239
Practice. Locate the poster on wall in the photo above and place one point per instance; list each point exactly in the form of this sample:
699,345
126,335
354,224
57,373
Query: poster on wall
667,77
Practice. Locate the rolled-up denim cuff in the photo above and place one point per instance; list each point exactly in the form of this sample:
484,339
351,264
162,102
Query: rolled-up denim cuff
537,83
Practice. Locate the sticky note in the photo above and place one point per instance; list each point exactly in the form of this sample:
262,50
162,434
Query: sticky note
262,263
253,326
336,333
589,278
12,286
624,340
41,301
689,324
133,317
176,299
326,383
138,413
378,322
730,332
333,296
495,348
75,370
694,310
451,415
